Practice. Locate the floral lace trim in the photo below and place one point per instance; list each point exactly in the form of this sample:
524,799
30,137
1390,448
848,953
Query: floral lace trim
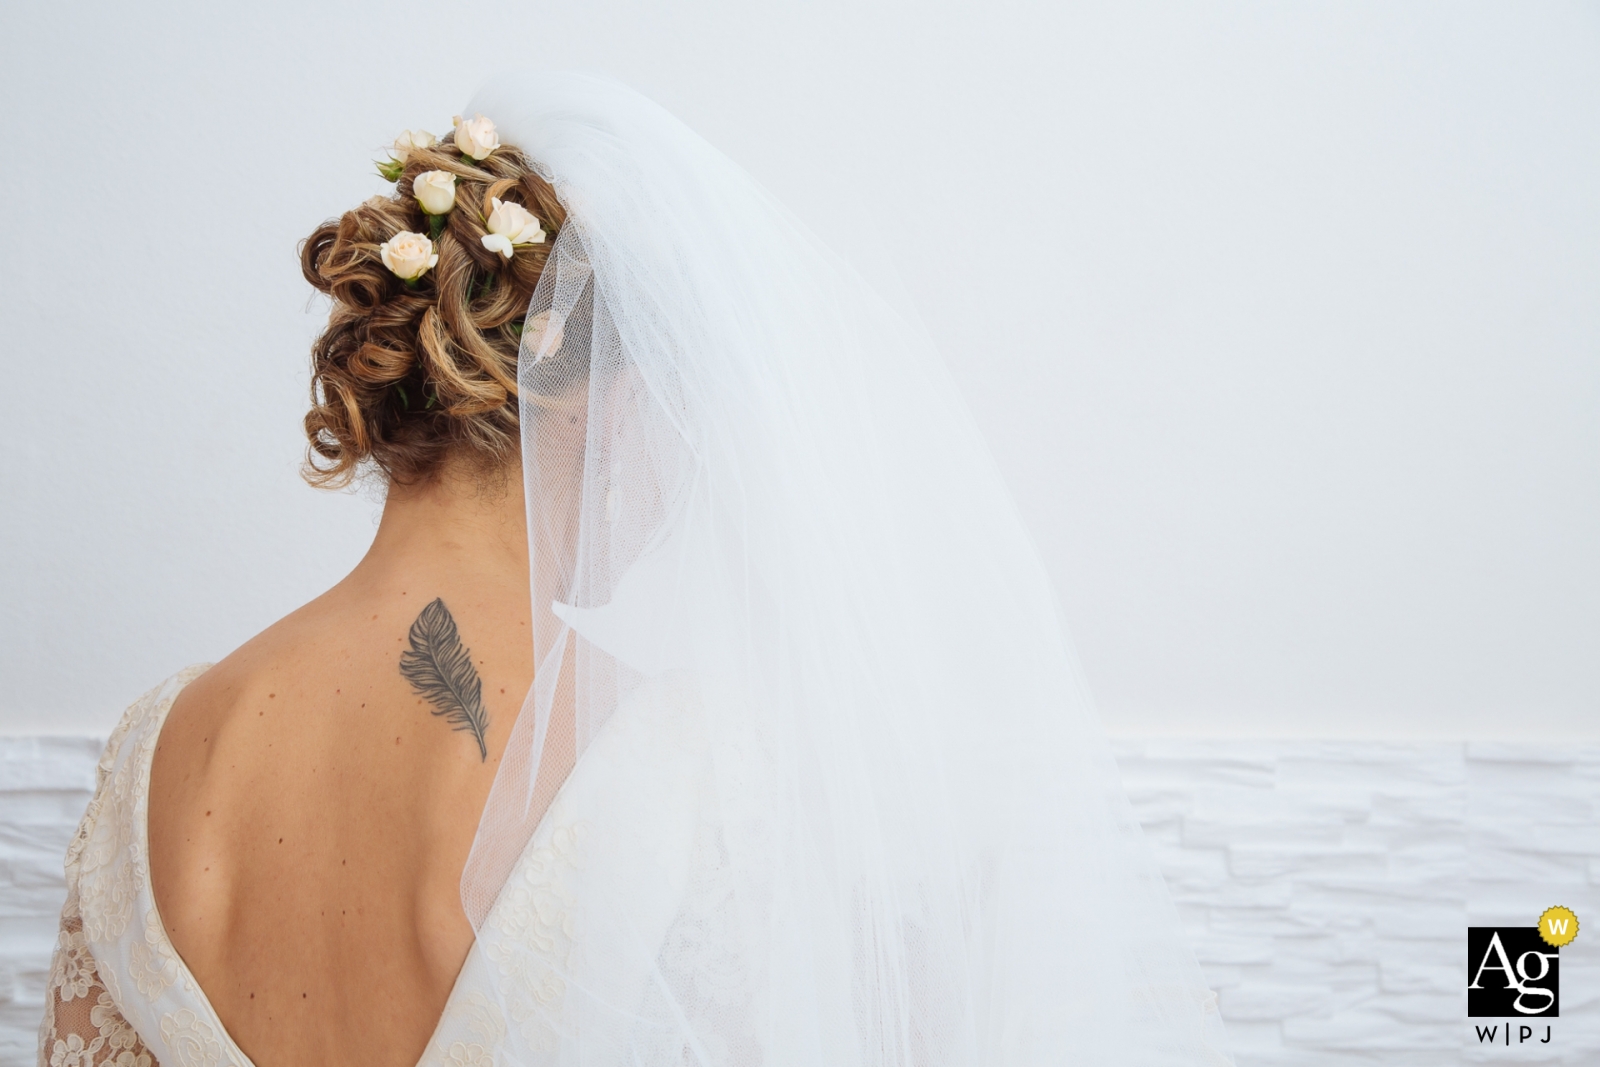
104,860
82,1026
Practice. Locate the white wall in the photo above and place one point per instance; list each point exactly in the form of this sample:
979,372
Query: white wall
1283,319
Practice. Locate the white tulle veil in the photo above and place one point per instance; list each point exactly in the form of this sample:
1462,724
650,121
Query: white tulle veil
885,827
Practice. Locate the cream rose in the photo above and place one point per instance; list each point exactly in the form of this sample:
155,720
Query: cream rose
511,224
476,137
408,254
435,190
412,139
549,335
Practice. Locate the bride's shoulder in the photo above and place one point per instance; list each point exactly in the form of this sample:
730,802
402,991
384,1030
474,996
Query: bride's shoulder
259,657
247,674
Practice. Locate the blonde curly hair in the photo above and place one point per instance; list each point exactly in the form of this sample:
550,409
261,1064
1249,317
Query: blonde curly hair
409,374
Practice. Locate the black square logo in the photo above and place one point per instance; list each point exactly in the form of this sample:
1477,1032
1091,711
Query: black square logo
1511,972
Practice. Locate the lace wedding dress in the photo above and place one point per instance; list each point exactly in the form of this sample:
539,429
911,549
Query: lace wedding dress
841,798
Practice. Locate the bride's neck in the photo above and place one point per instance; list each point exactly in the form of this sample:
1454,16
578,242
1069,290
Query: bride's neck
461,522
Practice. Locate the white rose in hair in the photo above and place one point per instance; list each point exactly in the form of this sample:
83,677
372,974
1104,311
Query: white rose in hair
408,254
511,224
412,139
435,190
545,336
476,137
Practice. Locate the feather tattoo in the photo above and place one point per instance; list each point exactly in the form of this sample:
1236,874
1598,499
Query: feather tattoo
441,672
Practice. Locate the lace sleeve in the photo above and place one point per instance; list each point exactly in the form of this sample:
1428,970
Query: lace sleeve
82,1026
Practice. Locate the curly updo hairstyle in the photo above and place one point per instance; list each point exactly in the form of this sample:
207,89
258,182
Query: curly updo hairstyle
408,374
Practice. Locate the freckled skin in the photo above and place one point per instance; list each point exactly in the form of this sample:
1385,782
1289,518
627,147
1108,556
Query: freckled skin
309,821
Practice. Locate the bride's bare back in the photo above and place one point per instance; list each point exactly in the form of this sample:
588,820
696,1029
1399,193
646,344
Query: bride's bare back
314,796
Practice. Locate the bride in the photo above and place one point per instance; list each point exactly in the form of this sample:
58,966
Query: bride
784,761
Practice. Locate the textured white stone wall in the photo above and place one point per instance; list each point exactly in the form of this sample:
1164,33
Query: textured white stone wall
1327,886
